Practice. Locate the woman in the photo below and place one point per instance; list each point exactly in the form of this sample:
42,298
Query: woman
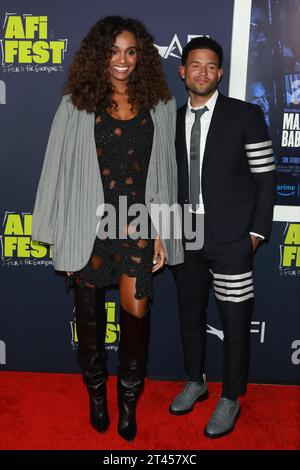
117,117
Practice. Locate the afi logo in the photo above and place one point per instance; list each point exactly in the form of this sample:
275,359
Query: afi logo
256,327
214,331
174,49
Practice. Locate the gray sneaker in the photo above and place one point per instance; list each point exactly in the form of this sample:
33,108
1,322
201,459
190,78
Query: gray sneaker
184,402
223,419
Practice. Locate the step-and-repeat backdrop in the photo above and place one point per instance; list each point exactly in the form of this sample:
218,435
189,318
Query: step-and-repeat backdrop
38,41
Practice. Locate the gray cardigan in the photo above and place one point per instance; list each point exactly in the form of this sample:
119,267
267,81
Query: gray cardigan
70,187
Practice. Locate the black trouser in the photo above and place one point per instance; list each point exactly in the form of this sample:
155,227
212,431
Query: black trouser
229,268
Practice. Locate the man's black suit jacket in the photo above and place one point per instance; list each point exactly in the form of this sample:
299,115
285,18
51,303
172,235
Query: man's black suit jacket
238,178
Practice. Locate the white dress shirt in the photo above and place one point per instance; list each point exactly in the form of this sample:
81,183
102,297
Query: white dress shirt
205,123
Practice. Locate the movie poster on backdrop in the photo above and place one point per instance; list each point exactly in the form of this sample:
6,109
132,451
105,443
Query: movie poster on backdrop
273,82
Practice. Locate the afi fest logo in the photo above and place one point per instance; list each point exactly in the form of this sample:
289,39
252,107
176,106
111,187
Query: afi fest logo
18,249
174,49
290,251
27,47
112,328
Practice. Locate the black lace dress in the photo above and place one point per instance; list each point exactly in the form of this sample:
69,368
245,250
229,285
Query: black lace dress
123,149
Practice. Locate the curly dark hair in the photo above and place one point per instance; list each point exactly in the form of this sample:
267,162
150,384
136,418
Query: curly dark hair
88,81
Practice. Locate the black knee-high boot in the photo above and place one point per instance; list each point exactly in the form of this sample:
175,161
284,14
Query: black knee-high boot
91,354
133,354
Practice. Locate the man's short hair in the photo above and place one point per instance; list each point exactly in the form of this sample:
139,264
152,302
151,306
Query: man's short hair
202,43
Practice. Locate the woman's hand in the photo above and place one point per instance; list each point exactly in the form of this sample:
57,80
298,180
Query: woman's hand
159,256
69,273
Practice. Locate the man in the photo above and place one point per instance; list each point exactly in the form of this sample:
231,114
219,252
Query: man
227,176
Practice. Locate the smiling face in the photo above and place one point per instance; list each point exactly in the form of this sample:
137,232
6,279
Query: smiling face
123,58
201,73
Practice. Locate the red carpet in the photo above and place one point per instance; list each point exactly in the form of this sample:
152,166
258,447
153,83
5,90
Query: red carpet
50,411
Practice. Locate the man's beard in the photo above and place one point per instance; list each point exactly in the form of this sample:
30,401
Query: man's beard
205,91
